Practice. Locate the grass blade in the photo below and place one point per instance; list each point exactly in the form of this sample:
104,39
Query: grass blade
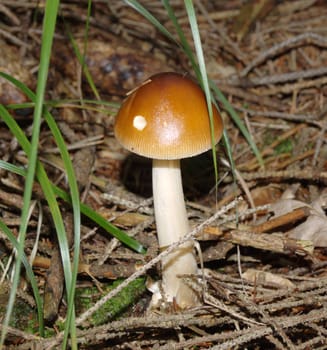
189,53
48,30
144,12
231,111
86,210
203,75
29,273
19,134
185,45
75,201
101,221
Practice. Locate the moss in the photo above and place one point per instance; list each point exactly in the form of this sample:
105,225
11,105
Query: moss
23,316
284,147
114,307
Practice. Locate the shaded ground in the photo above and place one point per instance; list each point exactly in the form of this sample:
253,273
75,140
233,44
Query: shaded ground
265,268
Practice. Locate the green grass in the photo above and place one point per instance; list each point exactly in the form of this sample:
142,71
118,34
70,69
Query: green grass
35,169
49,23
36,172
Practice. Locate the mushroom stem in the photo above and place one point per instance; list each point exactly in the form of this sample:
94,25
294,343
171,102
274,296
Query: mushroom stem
172,224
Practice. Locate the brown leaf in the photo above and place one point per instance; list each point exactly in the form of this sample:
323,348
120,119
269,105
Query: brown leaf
267,278
315,227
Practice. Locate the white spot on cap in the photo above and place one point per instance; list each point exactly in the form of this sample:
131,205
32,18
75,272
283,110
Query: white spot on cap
139,122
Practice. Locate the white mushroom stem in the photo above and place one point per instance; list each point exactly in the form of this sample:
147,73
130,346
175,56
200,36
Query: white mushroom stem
172,224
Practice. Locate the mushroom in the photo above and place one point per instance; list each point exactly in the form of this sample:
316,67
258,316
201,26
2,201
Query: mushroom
167,119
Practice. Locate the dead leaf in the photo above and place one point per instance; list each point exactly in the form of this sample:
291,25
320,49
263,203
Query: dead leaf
285,206
315,227
267,278
287,203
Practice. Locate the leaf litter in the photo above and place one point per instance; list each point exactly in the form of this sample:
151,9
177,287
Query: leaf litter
264,280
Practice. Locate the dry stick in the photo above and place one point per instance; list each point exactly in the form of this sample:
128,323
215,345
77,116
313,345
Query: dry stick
258,332
50,343
308,291
248,334
282,220
250,97
14,19
285,77
302,118
276,342
274,242
253,164
95,270
232,218
320,140
125,327
240,337
115,242
287,162
243,184
269,320
130,205
307,175
300,300
13,38
172,321
313,343
302,39
276,78
319,329
17,333
135,204
218,304
290,88
225,38
154,261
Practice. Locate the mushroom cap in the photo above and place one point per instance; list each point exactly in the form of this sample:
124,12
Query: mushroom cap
167,118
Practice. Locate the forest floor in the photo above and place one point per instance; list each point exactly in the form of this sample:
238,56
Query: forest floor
262,234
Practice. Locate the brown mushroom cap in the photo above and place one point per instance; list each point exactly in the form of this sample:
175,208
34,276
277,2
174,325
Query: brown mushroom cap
167,118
